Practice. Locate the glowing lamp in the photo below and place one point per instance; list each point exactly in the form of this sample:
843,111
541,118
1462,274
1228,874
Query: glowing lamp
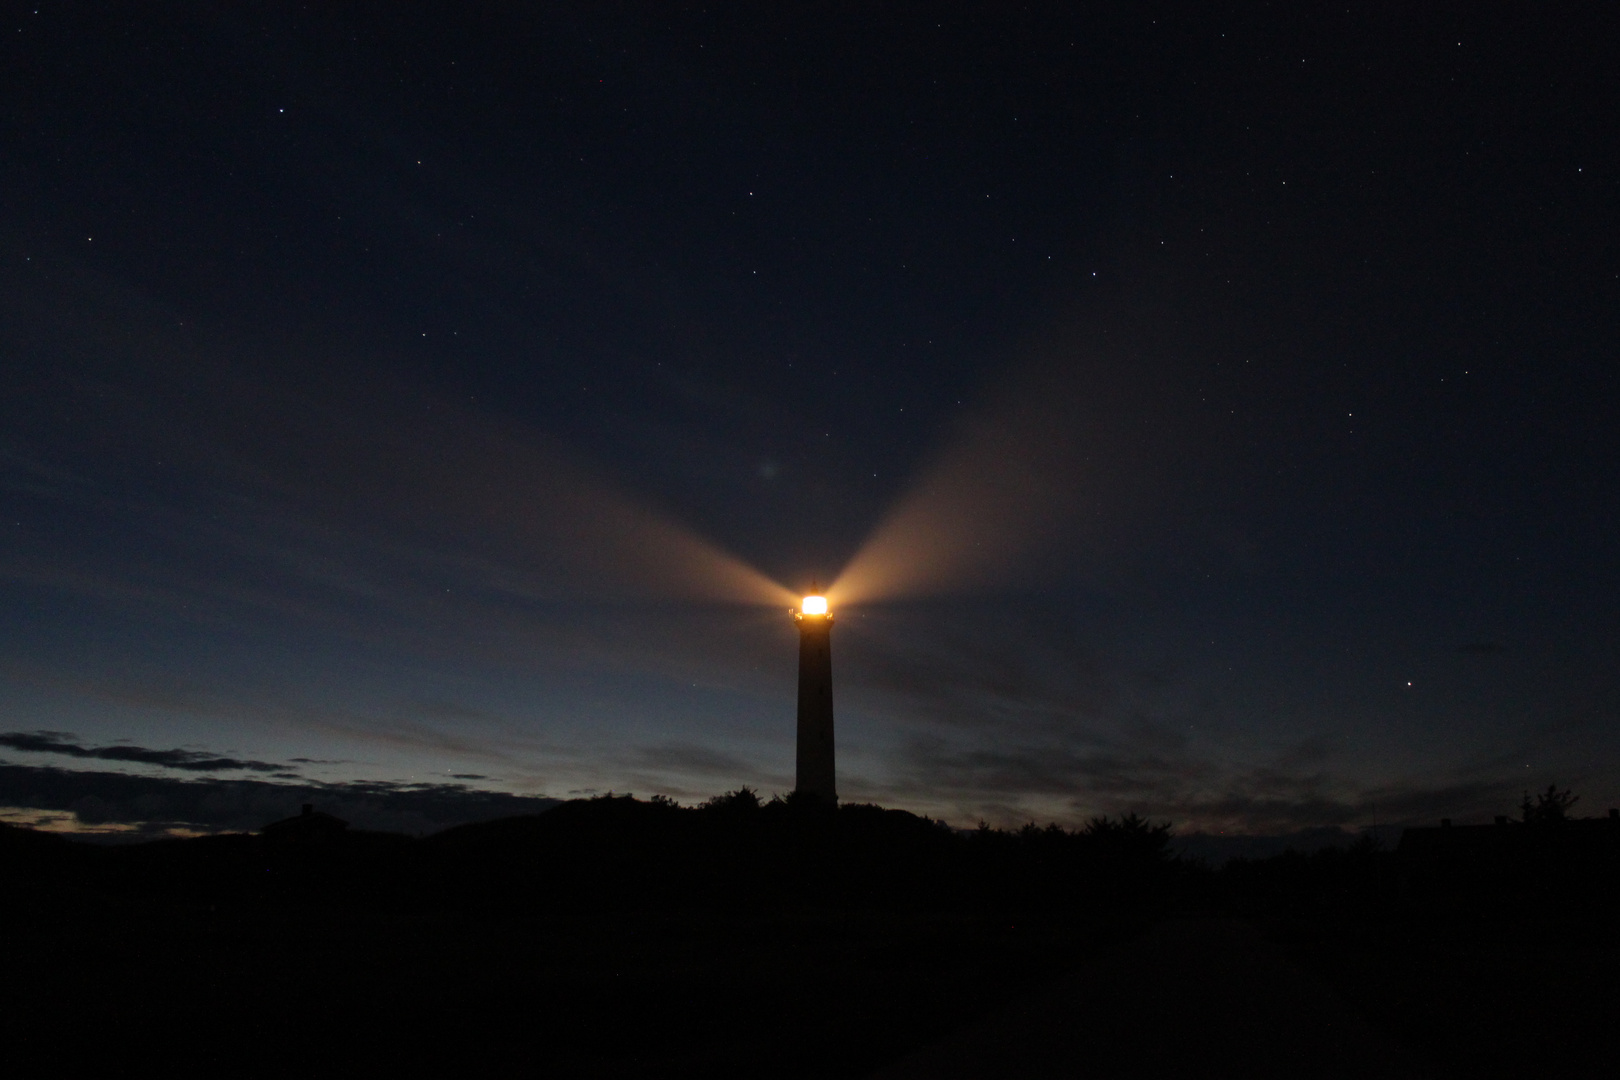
814,605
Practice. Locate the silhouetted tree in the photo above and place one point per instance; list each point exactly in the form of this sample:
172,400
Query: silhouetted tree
1552,807
1129,836
802,803
742,800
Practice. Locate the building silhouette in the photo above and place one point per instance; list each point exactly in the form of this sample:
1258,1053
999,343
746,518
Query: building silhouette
815,773
1483,857
1507,835
309,827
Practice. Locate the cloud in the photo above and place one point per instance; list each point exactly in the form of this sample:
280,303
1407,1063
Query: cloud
152,805
57,742
449,710
686,770
1054,711
970,663
691,758
388,725
1007,784
60,821
1043,770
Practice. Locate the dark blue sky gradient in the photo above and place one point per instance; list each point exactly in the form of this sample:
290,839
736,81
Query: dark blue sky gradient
1204,411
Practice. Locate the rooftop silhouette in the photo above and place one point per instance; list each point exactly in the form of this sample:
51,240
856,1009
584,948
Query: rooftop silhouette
310,826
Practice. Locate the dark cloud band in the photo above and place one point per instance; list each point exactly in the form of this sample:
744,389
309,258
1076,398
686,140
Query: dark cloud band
152,805
56,742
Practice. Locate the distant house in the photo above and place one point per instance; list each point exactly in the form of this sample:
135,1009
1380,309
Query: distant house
1508,847
1507,833
309,827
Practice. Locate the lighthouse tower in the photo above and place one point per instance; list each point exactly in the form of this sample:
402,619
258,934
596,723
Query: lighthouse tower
815,774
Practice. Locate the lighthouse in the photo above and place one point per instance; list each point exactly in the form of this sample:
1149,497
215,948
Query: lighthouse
815,775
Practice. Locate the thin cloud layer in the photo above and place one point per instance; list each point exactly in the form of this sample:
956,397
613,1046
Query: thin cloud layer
148,806
1011,783
57,742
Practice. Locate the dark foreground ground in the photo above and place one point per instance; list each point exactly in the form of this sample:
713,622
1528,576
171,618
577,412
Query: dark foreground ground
621,939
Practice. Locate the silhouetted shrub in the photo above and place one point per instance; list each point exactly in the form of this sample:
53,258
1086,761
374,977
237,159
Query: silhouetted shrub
1552,807
742,801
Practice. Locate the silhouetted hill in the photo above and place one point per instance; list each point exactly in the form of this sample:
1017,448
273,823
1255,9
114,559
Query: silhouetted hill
609,936
621,853
621,937
15,839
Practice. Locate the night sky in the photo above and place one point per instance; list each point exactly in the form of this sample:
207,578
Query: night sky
1205,412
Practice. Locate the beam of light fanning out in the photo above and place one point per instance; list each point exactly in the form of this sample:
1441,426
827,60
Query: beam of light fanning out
1063,453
